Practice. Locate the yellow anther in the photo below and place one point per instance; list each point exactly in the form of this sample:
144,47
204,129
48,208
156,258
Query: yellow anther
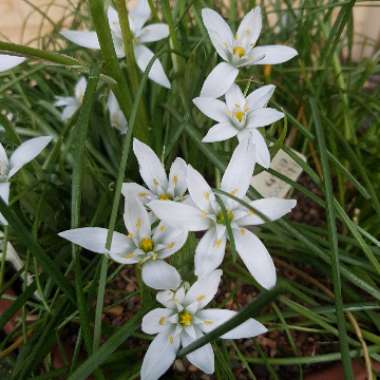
162,321
220,217
239,115
175,179
162,228
208,322
239,51
217,243
171,339
143,194
170,245
129,255
242,231
146,244
201,297
206,194
185,318
138,223
165,197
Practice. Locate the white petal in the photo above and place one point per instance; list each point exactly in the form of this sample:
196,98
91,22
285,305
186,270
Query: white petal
260,97
113,20
68,112
256,257
272,208
177,178
3,159
160,355
63,101
26,152
135,190
273,54
250,27
151,169
263,117
157,74
139,15
179,214
82,38
261,149
203,357
94,239
80,89
220,132
160,275
155,321
166,298
209,253
117,117
204,289
4,193
136,218
219,80
215,317
218,30
199,190
8,62
213,108
235,97
172,239
238,174
153,32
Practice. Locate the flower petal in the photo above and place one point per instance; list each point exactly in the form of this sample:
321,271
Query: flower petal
272,208
63,101
199,190
219,80
160,355
256,257
82,38
156,320
157,74
203,357
117,117
4,158
204,289
209,253
213,108
220,132
80,89
235,97
179,214
153,32
177,178
139,15
26,152
219,32
136,219
273,54
238,174
94,239
215,317
132,189
160,275
263,117
68,112
250,27
4,194
8,62
151,169
113,20
261,149
171,239
260,97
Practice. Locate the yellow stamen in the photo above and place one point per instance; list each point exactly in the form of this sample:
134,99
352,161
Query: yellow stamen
165,197
239,51
162,321
201,297
239,115
146,244
220,217
185,318
170,245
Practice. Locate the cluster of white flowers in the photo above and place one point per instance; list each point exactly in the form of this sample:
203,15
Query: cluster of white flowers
159,217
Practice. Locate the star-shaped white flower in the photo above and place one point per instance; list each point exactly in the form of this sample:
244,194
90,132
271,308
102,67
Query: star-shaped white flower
154,175
206,215
25,153
143,245
184,319
117,117
138,16
239,50
8,62
241,116
71,104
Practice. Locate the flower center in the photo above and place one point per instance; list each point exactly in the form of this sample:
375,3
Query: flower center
239,115
146,244
165,197
220,217
185,318
239,51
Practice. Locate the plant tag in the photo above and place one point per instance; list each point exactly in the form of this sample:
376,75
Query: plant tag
270,186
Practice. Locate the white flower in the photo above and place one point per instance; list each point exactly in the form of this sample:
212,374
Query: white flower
138,16
143,245
185,319
8,62
25,153
117,117
238,51
71,104
240,116
153,173
206,215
